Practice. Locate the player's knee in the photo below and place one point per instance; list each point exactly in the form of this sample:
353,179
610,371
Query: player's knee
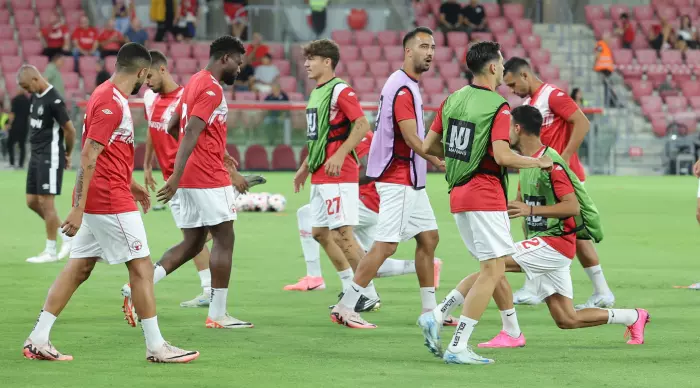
385,249
565,323
33,203
321,235
83,271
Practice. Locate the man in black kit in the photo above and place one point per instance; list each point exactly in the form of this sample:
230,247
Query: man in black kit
49,127
19,122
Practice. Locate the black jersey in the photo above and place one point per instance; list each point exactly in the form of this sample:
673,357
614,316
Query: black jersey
47,116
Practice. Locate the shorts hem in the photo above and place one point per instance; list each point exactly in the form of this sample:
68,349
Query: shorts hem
497,255
206,223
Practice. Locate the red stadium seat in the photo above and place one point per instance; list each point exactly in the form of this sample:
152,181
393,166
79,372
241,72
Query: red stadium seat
356,68
70,5
692,57
439,40
45,5
522,27
432,84
200,50
448,70
642,89
691,89
395,65
694,102
676,104
256,158
288,83
395,53
615,43
388,38
667,13
507,40
202,63
24,16
442,55
454,84
657,75
540,57
513,11
73,18
20,4
651,106
560,83
339,68
9,48
640,42
67,65
185,66
28,32
4,16
245,96
283,66
371,98
283,158
643,12
437,99
89,83
364,38
548,72
602,26
594,12
671,57
427,21
646,26
371,53
687,120
421,8
457,39
623,57
70,80
646,56
618,9
295,96
342,37
363,84
516,52
10,64
139,153
681,75
531,42
350,53
380,69
682,3
7,32
162,47
690,11
233,151
497,25
492,10
40,61
88,65
659,126
481,36
276,50
180,50
111,63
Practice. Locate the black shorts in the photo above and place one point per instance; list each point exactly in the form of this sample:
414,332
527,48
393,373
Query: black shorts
42,178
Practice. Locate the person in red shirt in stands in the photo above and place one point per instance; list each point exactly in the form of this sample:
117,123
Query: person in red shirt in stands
626,31
55,37
188,18
256,50
110,40
84,39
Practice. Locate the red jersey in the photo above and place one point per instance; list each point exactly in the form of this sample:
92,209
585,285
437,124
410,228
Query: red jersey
108,121
345,108
55,36
260,51
188,7
85,37
111,34
159,109
483,192
368,193
204,98
556,107
399,171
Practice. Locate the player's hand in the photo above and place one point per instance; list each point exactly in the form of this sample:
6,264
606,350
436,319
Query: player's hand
518,209
334,164
439,164
696,169
300,179
148,180
545,162
168,190
239,182
230,162
72,223
141,196
69,162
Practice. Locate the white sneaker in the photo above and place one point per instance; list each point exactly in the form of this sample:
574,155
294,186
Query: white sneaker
694,286
466,356
201,300
171,354
43,257
65,249
605,301
227,322
523,296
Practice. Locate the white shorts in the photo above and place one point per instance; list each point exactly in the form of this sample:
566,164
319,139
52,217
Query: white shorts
365,231
403,213
334,205
204,207
699,189
114,238
175,207
486,234
549,270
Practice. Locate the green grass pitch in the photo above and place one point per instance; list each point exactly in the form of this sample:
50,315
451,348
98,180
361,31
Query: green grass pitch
651,244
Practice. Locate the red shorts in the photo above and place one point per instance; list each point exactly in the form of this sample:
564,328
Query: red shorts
232,14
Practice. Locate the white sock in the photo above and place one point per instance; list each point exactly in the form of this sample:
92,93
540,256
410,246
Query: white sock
310,247
346,277
464,330
395,267
510,323
151,331
50,246
370,291
42,328
625,317
204,278
453,300
217,304
595,273
158,273
352,295
64,237
427,298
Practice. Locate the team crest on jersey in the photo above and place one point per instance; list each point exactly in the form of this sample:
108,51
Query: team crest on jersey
107,111
40,111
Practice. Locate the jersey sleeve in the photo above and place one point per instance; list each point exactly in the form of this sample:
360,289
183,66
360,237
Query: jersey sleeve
561,182
404,108
206,102
59,111
349,104
501,124
436,126
561,104
362,149
106,118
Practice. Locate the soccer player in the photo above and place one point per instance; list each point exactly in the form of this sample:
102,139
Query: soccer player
398,164
552,198
52,138
474,123
364,233
104,219
563,129
332,111
696,172
202,178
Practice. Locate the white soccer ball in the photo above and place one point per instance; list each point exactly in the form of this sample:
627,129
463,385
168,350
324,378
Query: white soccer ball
277,202
260,202
244,203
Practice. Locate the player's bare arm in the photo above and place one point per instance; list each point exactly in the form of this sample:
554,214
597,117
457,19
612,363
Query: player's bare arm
148,163
88,163
505,157
567,206
409,130
141,195
335,163
301,175
581,126
69,138
194,128
237,180
174,123
432,145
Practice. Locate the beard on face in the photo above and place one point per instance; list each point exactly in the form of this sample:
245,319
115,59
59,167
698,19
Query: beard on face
229,77
137,87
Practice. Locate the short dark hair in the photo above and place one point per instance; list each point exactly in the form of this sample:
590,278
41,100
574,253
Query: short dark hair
412,34
158,58
226,44
624,15
132,57
323,48
514,65
529,118
480,54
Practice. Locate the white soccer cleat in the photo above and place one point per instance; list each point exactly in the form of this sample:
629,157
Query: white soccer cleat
65,249
43,257
201,300
694,286
170,354
605,301
466,356
227,322
430,325
523,296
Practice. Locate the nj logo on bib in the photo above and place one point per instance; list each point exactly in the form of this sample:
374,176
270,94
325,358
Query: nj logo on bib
460,138
312,124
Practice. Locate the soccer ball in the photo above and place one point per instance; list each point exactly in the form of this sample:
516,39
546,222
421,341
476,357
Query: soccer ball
244,203
277,202
260,202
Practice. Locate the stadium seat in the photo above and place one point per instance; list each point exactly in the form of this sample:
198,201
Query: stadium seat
73,18
371,53
594,12
395,65
548,72
676,104
507,40
256,158
516,52
600,27
691,89
24,16
185,78
442,55
427,21
395,53
421,8
288,83
369,97
437,99
111,63
28,32
640,42
7,33
623,57
45,16
185,66
381,69
481,36
497,25
303,154
233,151
531,42
200,50
4,16
283,158
513,11
667,13
202,63
45,5
433,84
692,57
9,48
160,46
456,83
70,5
659,127
694,102
681,75
89,82
615,43
180,50
449,70
439,40
283,66
492,10
457,39
671,57
40,61
688,120
681,4
540,57
20,4
364,38
67,65
276,50
642,89
646,56
522,27
139,153
9,64
356,68
657,75
350,53
618,9
561,84
245,96
690,11
342,37
295,96
11,84
643,12
339,68
363,84
70,80
651,105
388,38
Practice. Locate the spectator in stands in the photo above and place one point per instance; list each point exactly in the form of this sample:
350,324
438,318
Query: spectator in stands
55,37
626,31
84,39
121,13
474,17
451,18
110,40
165,13
604,65
137,33
274,119
246,77
53,74
577,96
236,17
256,50
318,16
19,125
188,18
660,35
266,74
687,35
102,73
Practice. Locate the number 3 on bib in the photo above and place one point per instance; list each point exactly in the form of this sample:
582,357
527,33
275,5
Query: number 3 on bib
333,205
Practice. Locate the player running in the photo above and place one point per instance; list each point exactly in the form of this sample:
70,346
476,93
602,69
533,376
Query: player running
398,164
474,123
52,139
564,128
556,206
332,111
364,233
105,219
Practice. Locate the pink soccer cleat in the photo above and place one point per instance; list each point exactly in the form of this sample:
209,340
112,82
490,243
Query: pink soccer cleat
437,267
635,331
45,352
450,321
348,317
307,283
503,340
